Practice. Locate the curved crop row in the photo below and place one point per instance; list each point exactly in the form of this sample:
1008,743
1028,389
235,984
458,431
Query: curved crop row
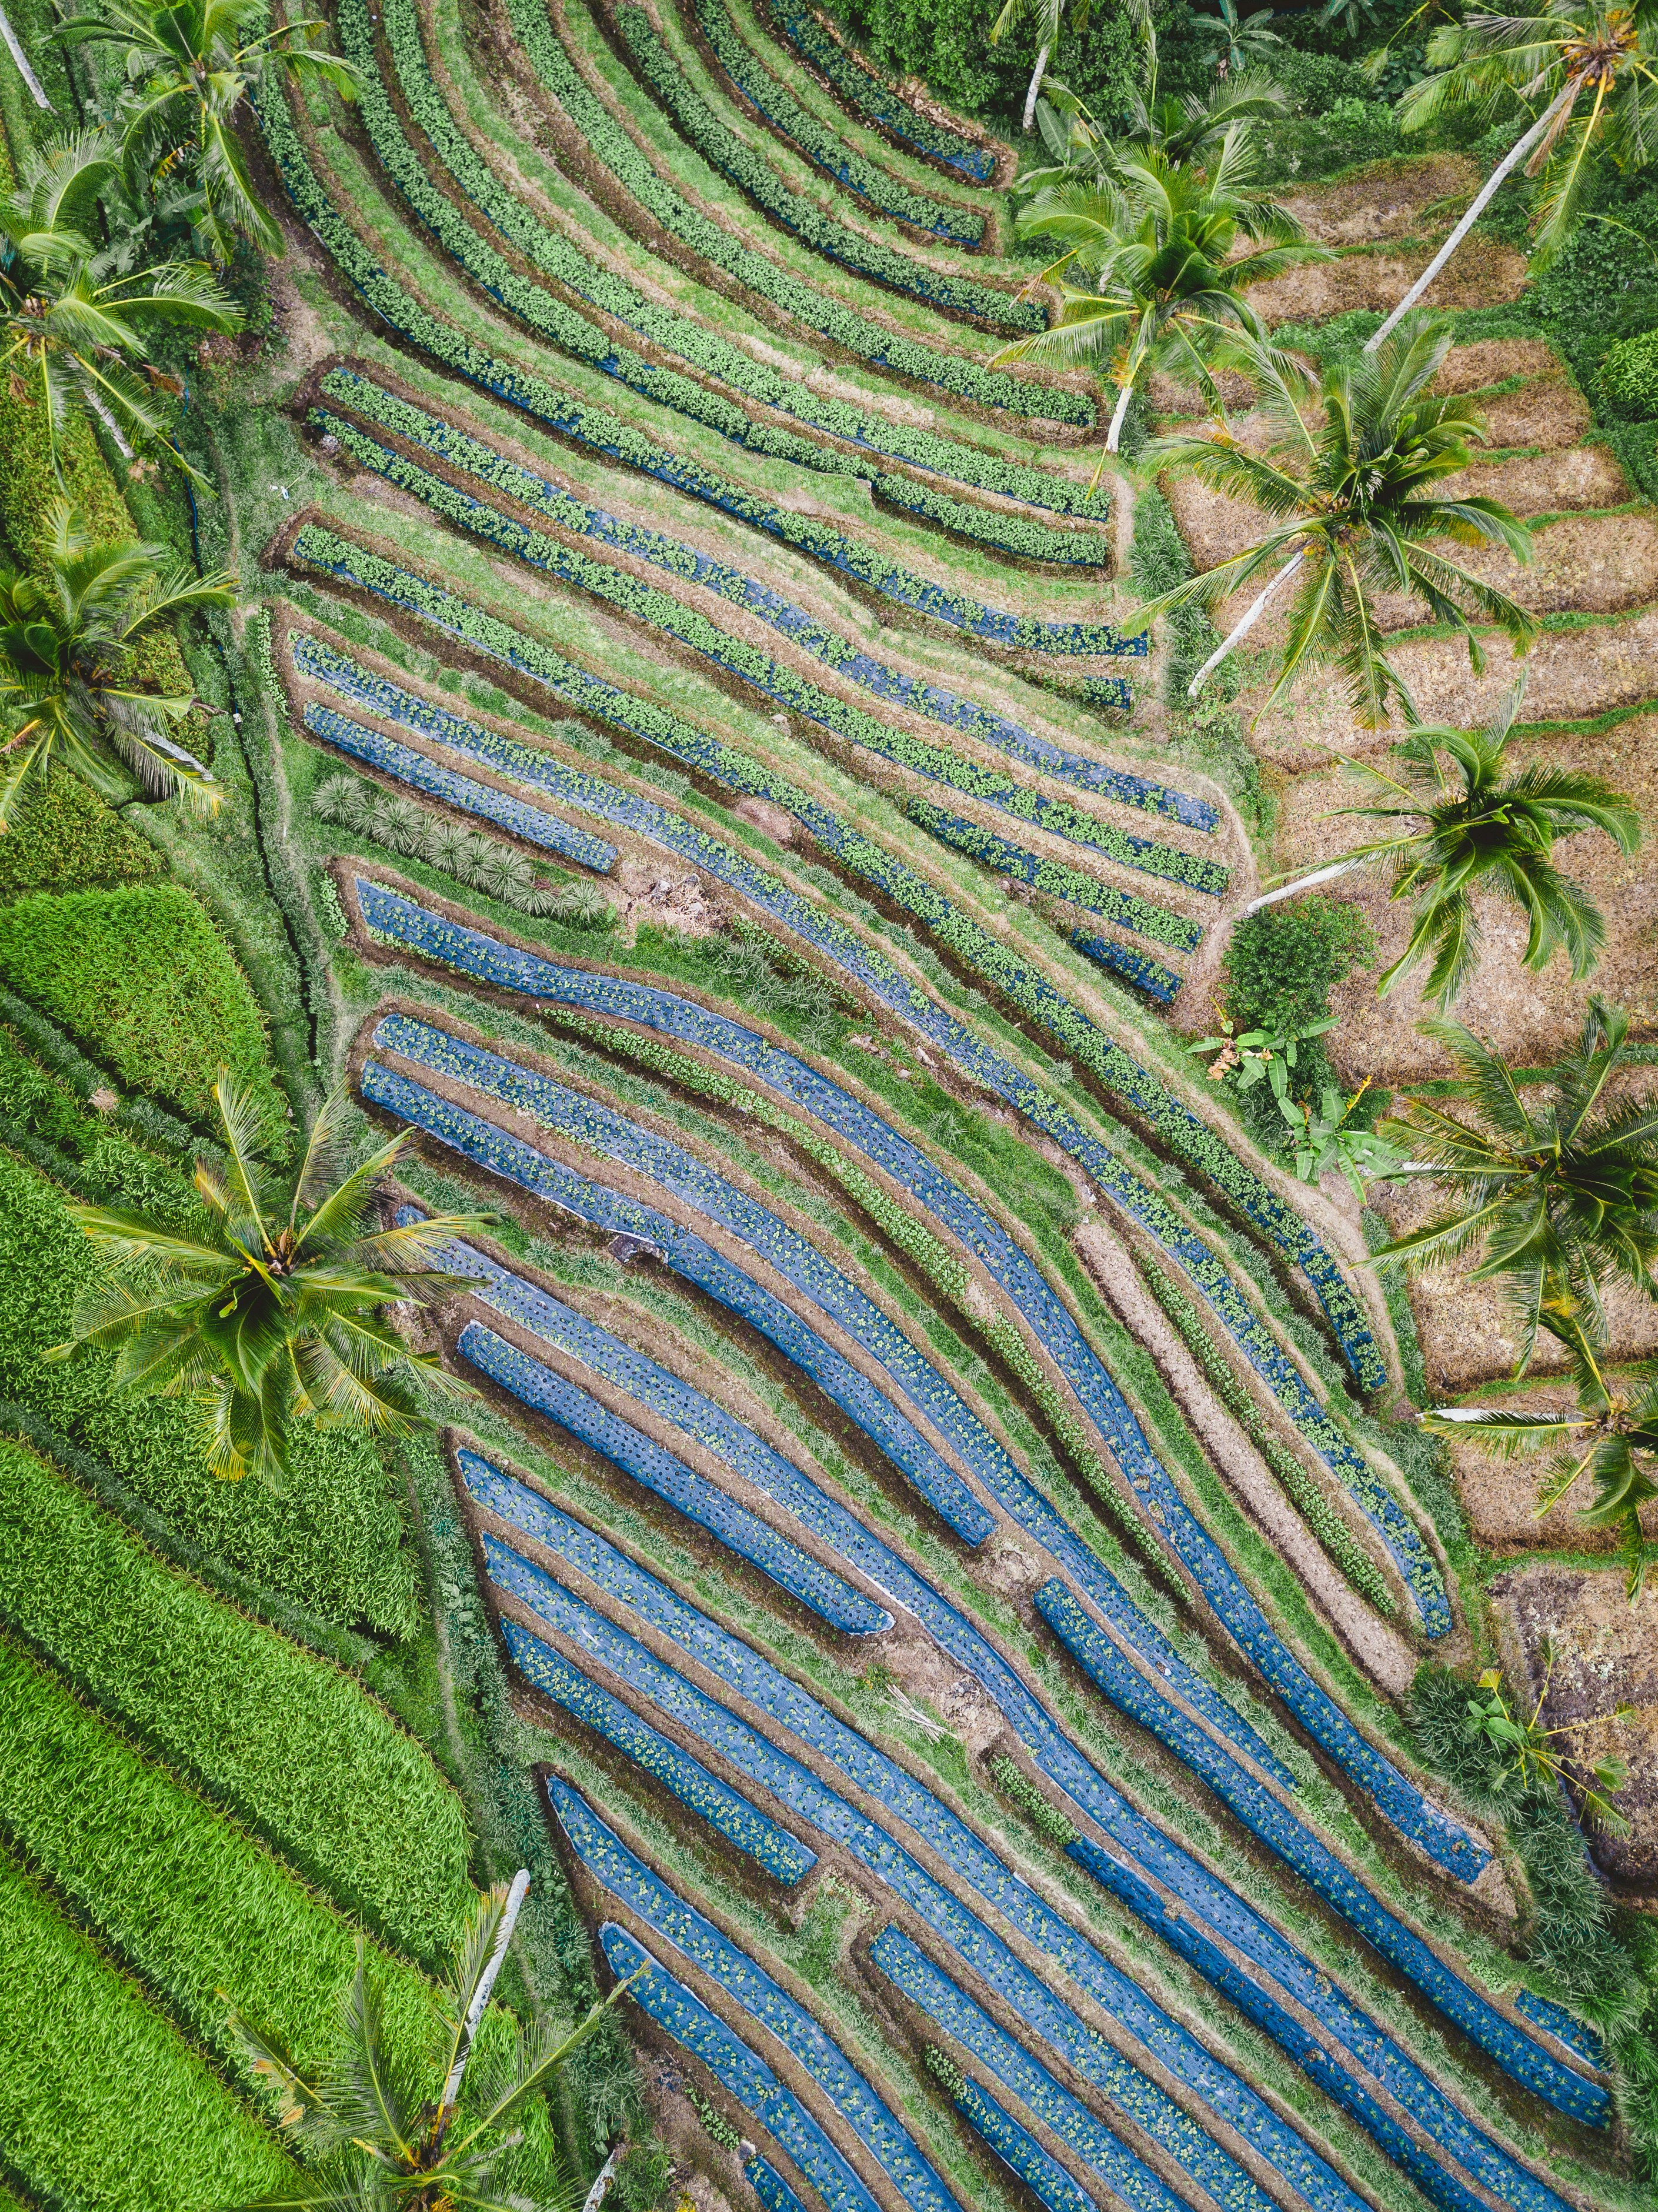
1130,966
532,824
1019,535
371,401
931,701
754,176
400,922
1141,1850
742,1825
866,341
780,112
687,2020
829,1595
769,2186
661,611
1056,877
1043,2176
754,1991
586,1122
327,554
867,95
1183,2140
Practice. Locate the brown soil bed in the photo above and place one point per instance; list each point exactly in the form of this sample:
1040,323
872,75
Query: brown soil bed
1585,564
1389,200
1573,675
1558,482
1603,1654
1493,361
1479,274
1501,1498
1529,1016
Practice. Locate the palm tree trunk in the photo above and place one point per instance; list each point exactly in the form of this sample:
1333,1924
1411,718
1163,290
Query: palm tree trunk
15,51
1301,883
1036,87
475,2011
597,2194
1257,609
1115,432
1511,160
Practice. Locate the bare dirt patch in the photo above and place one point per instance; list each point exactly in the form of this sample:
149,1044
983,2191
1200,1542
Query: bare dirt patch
1557,483
1389,200
1479,274
1530,1017
1573,675
1549,412
1603,1654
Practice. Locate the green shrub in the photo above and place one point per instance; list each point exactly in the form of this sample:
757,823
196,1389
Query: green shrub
64,837
333,1541
143,976
102,2104
1281,966
1629,375
285,1740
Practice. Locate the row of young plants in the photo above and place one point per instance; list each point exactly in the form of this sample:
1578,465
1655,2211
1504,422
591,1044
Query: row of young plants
728,1813
869,96
1128,965
1515,2050
1019,2151
607,144
371,403
1200,1896
546,1392
769,2186
485,800
757,1994
225,1699
1056,877
323,551
1009,531
1183,2140
1127,2176
586,1122
890,1430
774,680
733,158
599,431
780,112
689,2022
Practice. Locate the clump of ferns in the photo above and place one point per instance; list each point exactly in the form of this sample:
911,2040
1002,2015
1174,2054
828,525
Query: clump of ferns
482,864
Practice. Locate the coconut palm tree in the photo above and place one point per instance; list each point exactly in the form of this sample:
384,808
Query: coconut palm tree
1348,486
1049,18
1185,128
270,1304
1611,1437
1583,70
78,322
65,646
374,2144
1160,240
1556,1193
1459,824
193,65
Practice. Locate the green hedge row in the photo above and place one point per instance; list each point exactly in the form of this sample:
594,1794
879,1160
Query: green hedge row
645,603
1020,535
822,147
612,148
63,838
719,146
286,1741
142,975
103,2106
333,1541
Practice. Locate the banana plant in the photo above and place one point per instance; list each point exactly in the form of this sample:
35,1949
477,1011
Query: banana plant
1537,1756
1331,1139
1259,1053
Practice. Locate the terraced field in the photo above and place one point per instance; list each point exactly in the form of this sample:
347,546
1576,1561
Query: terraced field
933,1552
